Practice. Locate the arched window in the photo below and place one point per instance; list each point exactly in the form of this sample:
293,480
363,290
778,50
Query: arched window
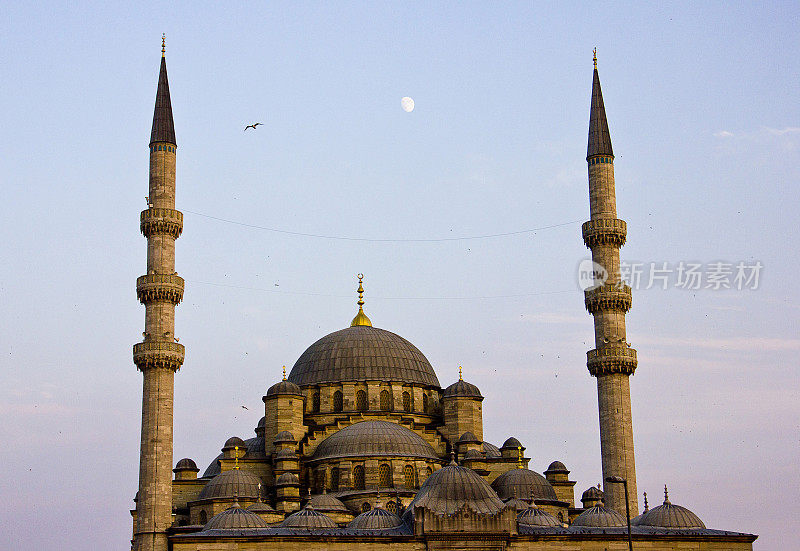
406,401
392,507
358,477
361,400
203,517
409,475
320,481
385,476
561,517
386,401
365,507
338,401
425,403
335,479
315,402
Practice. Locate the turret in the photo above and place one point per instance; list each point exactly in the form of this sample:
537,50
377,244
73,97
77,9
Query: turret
463,412
283,411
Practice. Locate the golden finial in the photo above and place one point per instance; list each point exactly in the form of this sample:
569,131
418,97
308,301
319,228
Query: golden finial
594,53
284,373
361,318
519,457
163,43
459,374
236,457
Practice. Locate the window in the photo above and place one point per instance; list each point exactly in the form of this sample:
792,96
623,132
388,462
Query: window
338,404
406,401
365,507
384,476
386,401
425,403
203,517
315,402
335,479
320,481
358,477
409,476
361,400
393,508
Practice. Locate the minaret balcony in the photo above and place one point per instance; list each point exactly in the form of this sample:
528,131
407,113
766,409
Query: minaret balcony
154,354
159,288
604,231
164,221
611,358
609,296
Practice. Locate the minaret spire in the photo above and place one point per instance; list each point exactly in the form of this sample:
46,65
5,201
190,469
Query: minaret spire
159,355
612,361
361,318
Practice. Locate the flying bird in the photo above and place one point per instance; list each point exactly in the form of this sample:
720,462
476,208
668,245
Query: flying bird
245,407
253,126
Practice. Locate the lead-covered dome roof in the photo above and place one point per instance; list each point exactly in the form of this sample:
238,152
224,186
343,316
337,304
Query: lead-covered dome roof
533,516
308,518
235,518
599,517
370,438
376,518
669,516
363,353
233,483
523,484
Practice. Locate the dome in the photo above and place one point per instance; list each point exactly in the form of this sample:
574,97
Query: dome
308,518
599,517
533,516
512,443
284,388
523,484
260,507
327,503
593,493
362,353
255,450
287,479
557,467
473,454
260,427
186,464
370,438
233,483
376,518
468,438
284,436
462,389
235,518
286,453
517,504
232,442
669,516
491,450
452,487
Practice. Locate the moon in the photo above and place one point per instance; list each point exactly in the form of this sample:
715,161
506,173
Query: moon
407,104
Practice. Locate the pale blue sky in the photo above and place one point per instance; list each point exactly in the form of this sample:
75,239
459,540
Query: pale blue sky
704,117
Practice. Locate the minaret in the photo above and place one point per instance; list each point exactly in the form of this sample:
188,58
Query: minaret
612,361
159,355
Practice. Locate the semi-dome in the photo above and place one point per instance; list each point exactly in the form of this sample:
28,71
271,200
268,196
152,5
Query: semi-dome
473,454
186,464
376,518
462,389
287,479
284,436
516,503
233,483
468,438
491,450
327,503
284,388
599,517
235,518
533,516
308,518
362,353
260,507
371,438
232,442
669,516
286,453
453,487
523,484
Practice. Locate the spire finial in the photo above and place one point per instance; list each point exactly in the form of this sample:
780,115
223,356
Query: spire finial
236,457
646,506
284,373
594,57
666,495
519,457
453,458
361,318
459,374
163,43
259,492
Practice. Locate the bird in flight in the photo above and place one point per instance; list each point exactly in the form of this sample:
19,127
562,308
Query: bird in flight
253,126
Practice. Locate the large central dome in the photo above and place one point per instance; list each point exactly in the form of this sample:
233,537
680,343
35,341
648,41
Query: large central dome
363,353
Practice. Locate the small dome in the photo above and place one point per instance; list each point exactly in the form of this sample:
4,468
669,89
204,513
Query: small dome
593,493
523,484
468,438
473,454
284,436
327,504
462,389
452,487
286,453
557,467
186,464
233,483
516,503
376,518
491,450
599,517
235,518
512,443
308,518
284,388
260,426
374,438
287,479
533,516
260,507
232,442
669,516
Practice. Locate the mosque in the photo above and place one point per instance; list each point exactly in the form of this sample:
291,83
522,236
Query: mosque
361,447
